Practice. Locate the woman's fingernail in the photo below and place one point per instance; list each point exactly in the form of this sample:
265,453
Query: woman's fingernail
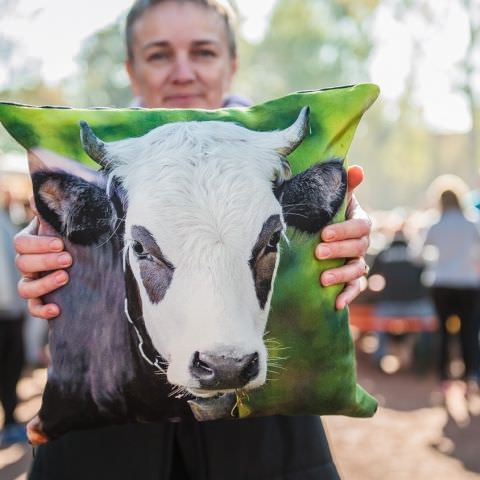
64,259
328,235
52,311
328,279
60,278
322,251
56,244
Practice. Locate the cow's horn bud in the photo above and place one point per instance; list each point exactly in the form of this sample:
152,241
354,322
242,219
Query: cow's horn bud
285,173
295,133
95,148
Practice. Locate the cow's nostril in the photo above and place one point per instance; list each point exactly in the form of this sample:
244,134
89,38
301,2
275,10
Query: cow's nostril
201,369
251,369
224,371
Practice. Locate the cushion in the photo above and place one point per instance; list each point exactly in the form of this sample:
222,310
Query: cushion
194,288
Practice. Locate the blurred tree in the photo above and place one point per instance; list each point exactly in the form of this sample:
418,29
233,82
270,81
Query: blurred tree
470,70
37,93
19,79
402,154
102,80
467,72
16,70
309,45
6,45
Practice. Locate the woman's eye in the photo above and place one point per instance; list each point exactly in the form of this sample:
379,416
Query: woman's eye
204,53
157,56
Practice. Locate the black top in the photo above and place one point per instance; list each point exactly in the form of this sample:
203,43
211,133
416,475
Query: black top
269,448
402,275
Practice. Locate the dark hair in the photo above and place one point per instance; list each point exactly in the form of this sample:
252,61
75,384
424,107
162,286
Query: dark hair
220,7
449,201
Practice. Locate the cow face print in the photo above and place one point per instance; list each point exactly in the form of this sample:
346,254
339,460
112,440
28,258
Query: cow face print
202,228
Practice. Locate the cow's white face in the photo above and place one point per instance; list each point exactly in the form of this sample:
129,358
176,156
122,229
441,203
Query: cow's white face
202,229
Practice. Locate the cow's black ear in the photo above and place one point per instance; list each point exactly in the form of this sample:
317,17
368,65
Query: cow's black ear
311,199
79,210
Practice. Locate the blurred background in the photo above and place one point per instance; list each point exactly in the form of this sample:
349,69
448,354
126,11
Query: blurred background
425,56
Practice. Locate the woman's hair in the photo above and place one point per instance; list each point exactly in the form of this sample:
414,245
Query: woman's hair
447,192
221,7
449,201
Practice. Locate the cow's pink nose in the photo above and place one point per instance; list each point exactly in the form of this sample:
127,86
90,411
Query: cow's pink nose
220,372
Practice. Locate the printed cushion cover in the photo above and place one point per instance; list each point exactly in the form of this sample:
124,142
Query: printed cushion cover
197,227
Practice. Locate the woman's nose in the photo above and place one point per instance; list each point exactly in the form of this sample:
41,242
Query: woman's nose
183,71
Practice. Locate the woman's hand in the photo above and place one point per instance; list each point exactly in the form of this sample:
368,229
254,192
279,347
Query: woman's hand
348,239
37,254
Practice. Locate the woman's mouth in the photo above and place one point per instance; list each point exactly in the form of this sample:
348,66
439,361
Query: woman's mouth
183,100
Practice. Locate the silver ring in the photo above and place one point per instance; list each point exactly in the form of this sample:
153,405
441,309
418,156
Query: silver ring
366,270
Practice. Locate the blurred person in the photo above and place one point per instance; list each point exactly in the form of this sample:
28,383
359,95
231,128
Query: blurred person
452,250
182,54
403,295
12,311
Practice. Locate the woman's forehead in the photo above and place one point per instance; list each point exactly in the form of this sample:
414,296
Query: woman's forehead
173,23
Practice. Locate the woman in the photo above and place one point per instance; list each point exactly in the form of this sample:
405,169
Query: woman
453,272
181,54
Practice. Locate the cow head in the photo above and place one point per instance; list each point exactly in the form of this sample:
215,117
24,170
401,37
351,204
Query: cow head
208,203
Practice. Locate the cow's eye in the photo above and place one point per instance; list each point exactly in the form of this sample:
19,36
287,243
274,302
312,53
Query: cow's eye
138,249
273,242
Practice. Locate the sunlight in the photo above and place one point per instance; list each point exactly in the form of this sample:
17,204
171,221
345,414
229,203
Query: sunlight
433,52
56,30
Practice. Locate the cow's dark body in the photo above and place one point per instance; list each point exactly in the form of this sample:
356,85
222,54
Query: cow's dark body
98,376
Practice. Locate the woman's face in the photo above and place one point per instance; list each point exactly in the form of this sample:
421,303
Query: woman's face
181,57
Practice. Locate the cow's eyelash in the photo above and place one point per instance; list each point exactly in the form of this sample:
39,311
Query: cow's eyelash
140,254
275,237
267,248
148,256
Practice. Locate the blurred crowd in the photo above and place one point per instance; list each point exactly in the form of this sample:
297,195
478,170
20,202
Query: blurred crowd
420,308
22,338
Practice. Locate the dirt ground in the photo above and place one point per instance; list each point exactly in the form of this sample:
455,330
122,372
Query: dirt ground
413,436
